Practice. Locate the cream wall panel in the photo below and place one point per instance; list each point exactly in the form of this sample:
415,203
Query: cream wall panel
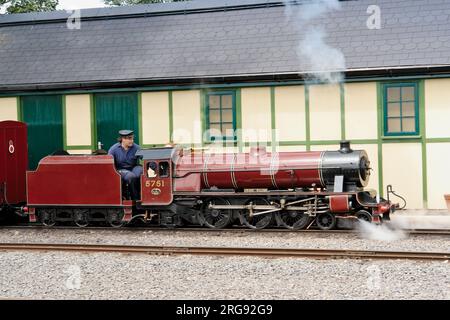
78,120
361,110
372,152
80,151
438,155
402,168
437,106
186,117
256,114
325,112
8,109
290,113
155,118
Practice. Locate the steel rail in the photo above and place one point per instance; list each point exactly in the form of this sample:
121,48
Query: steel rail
431,232
224,251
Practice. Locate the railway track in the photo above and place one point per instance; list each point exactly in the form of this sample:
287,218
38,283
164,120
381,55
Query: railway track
223,251
437,232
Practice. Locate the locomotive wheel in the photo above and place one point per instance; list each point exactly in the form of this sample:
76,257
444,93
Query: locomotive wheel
80,218
259,221
215,218
115,218
364,215
292,219
48,217
326,221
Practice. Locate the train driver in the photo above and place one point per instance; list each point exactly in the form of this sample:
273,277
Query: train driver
126,162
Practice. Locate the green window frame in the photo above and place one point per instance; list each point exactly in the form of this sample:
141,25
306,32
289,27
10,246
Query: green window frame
401,109
220,114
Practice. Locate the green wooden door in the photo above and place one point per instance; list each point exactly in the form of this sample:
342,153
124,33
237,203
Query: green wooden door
43,115
114,112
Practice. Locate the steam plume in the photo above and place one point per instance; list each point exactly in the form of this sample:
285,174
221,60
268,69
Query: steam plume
322,62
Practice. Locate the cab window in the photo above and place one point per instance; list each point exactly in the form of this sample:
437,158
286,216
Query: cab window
151,169
164,169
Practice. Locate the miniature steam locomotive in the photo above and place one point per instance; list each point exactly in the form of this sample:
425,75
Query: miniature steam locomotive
180,187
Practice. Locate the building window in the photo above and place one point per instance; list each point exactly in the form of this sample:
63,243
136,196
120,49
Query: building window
221,115
401,111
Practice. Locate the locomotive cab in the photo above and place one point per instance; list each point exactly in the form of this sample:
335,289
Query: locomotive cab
156,181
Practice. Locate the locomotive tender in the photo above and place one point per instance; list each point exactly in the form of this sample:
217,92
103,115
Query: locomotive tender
187,187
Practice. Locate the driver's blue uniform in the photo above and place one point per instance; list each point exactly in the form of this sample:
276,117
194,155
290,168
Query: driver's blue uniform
126,164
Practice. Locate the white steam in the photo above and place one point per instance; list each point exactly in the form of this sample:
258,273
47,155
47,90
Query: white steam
401,224
323,62
380,232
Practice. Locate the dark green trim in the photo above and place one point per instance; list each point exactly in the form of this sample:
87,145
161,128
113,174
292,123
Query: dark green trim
78,148
307,119
273,118
64,122
326,142
421,87
239,119
218,86
437,140
401,138
170,94
400,85
380,142
93,130
220,93
140,123
342,94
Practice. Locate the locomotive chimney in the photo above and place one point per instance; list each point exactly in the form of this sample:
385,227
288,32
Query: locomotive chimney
345,147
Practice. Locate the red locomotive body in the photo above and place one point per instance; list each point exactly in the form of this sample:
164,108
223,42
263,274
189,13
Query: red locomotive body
62,184
256,189
254,170
13,163
74,181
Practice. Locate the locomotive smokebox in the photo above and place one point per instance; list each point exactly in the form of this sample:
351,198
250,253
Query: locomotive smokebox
353,165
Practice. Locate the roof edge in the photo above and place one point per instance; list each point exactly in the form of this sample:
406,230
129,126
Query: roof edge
350,75
146,10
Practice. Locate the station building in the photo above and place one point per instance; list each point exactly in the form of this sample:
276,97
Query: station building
173,71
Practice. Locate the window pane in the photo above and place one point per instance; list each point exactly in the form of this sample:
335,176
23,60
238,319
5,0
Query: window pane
408,94
394,110
227,101
393,94
408,109
227,115
393,125
214,101
409,124
215,130
214,115
227,130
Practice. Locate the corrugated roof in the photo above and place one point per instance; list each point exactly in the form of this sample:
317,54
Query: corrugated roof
206,39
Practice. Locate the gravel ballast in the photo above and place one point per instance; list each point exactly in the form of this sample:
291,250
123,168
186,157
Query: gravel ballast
63,275
117,276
